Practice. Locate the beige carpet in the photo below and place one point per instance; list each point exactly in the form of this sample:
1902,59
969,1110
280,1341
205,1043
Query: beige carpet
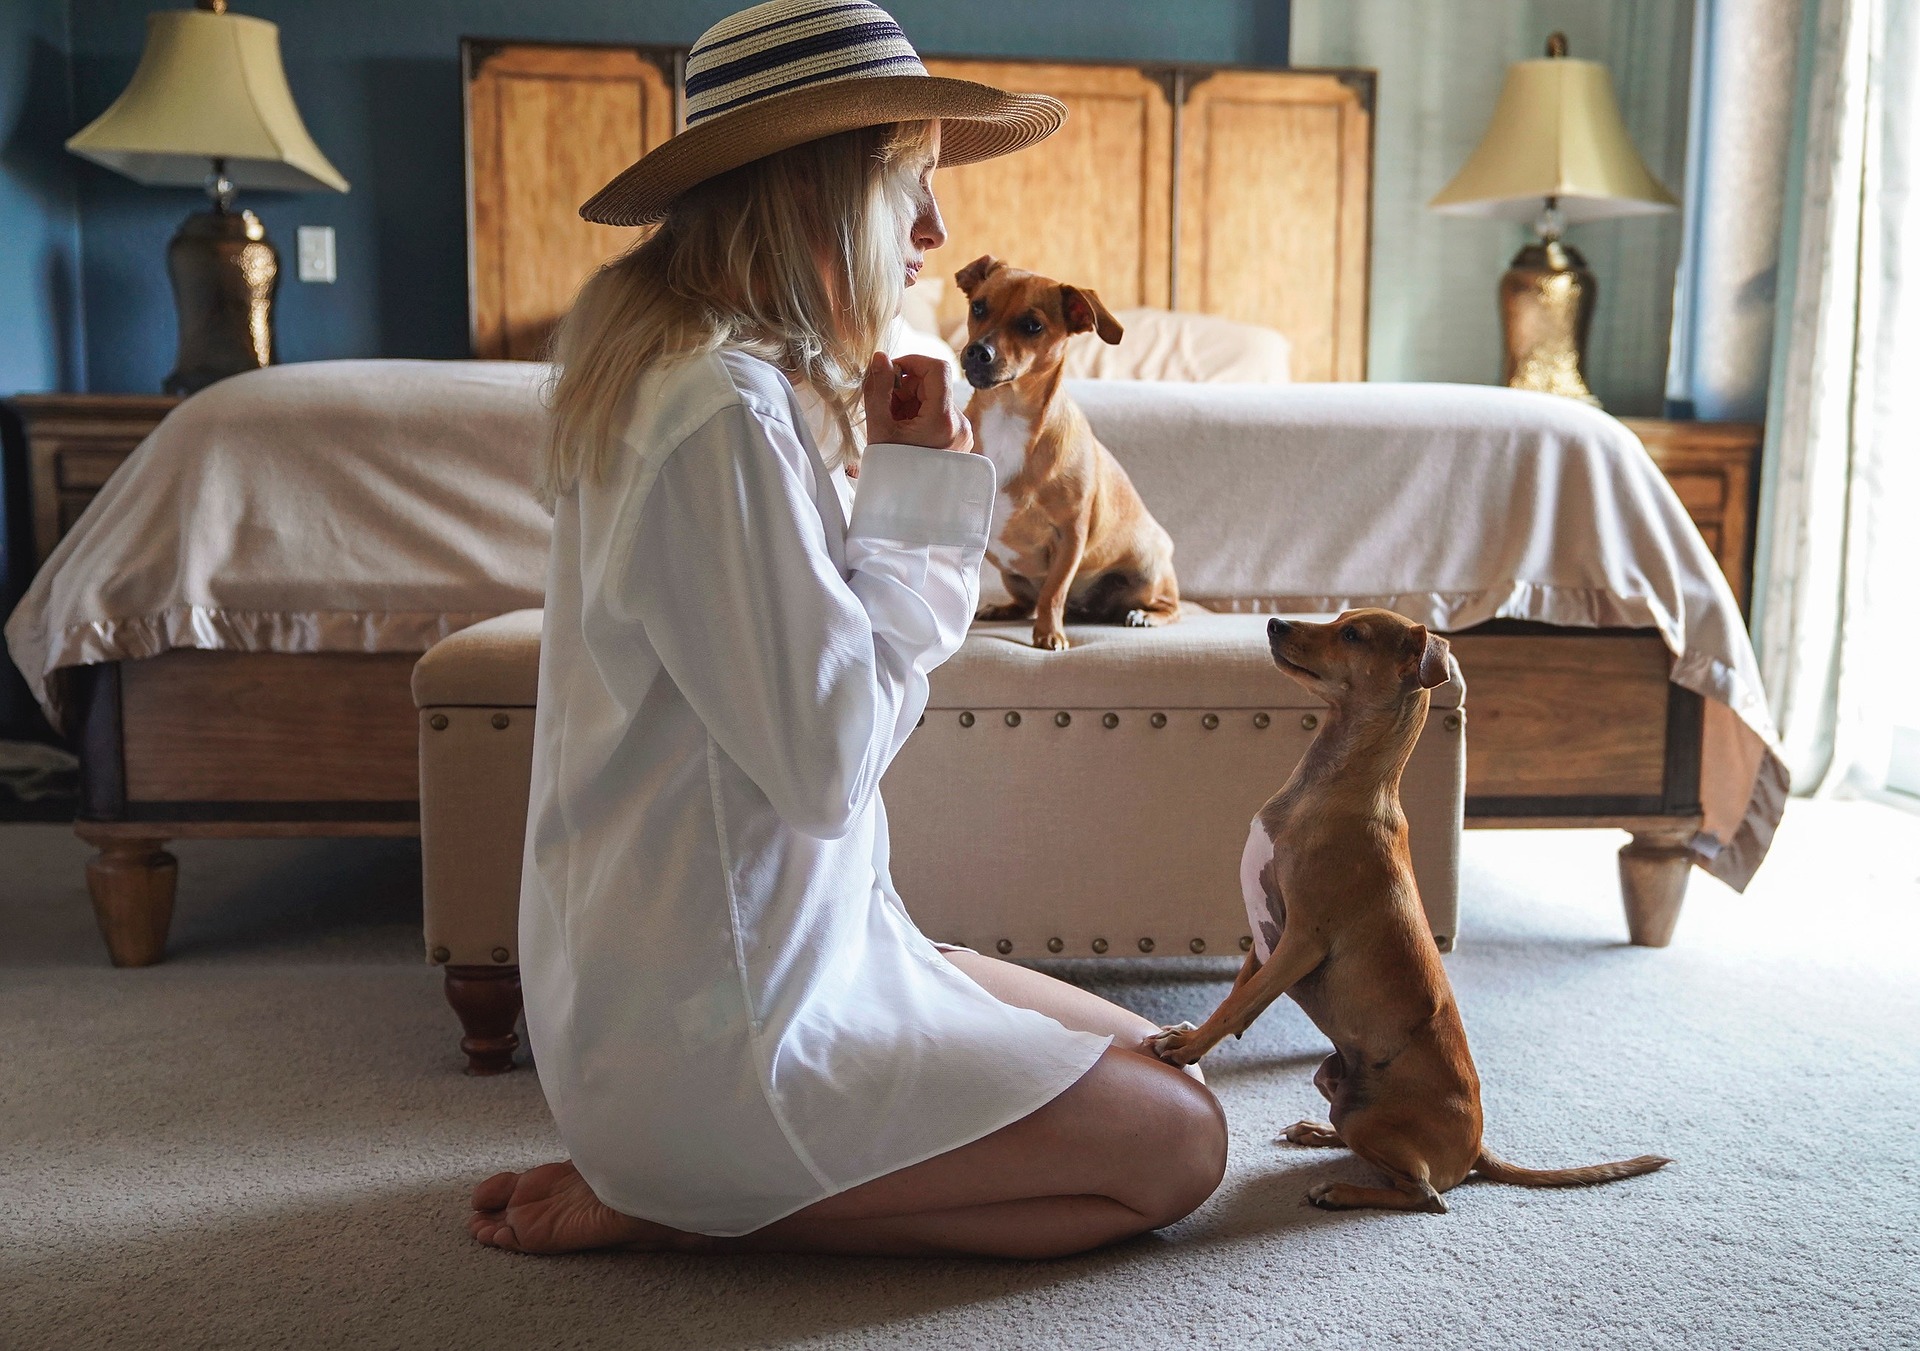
265,1141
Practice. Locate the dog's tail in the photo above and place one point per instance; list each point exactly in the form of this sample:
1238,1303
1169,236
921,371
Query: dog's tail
1496,1169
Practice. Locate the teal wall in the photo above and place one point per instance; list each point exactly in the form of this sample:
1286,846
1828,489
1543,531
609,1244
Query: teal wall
39,225
378,83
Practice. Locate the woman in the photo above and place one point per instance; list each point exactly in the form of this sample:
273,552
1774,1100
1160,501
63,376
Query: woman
745,1042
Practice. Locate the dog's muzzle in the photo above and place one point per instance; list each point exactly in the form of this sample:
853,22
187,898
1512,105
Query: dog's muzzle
977,361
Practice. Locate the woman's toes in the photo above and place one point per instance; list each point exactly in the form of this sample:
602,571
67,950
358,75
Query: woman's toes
495,1192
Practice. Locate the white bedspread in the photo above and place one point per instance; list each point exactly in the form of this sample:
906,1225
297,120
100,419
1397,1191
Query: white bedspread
360,506
1454,504
379,505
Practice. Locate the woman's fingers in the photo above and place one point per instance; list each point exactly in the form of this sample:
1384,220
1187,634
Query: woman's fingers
876,395
910,402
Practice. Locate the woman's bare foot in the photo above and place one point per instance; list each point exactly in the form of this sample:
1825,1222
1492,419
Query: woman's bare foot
551,1209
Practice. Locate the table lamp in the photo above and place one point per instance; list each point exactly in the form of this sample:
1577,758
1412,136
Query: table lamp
1557,153
209,107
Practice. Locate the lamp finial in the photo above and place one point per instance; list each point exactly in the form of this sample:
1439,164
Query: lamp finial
1556,42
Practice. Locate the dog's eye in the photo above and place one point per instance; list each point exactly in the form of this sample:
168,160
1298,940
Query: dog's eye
1350,634
1031,326
978,309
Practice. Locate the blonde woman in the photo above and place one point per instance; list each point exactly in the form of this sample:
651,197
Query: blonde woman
745,1042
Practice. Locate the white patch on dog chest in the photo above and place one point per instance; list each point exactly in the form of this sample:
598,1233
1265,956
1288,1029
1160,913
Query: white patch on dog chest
1002,437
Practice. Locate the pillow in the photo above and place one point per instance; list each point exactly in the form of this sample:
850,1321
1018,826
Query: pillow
920,306
1192,348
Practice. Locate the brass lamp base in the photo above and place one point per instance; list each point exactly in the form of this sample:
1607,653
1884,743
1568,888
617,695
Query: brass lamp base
224,274
1546,307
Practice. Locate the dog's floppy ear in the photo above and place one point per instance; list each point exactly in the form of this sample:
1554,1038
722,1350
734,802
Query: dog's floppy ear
1084,311
1432,668
976,272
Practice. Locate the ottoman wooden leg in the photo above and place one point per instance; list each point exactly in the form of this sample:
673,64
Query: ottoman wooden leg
1654,866
487,1001
131,883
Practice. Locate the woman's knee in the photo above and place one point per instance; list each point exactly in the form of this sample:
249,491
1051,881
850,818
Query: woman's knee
1180,1139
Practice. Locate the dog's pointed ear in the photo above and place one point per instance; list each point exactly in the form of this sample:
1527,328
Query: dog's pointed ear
1431,668
976,272
1083,311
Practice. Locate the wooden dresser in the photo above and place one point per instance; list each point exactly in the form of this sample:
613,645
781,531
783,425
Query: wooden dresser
1715,469
74,443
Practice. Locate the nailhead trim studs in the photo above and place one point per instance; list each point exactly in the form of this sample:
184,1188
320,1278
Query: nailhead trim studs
1056,944
1110,721
1062,719
1198,945
1261,720
1004,946
501,954
1146,945
1246,942
966,719
1099,945
1013,718
1451,722
438,722
1210,721
1158,720
441,955
1309,721
501,722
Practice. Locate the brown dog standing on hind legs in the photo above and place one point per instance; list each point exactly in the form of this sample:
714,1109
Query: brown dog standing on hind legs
1071,537
1340,928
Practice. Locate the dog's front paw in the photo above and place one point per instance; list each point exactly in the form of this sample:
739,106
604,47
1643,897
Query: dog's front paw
1138,619
1170,1044
1325,1195
1050,640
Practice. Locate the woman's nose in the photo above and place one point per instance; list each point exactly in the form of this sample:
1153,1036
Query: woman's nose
929,231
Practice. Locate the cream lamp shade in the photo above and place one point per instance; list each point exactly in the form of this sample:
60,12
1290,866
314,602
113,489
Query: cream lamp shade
1556,132
209,86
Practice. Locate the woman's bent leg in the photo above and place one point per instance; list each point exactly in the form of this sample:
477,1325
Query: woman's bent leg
1132,1146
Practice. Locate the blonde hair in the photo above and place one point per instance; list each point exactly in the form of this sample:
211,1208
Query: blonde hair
737,263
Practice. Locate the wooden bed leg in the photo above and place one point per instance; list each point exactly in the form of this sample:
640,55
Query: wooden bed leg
487,1001
131,883
1654,866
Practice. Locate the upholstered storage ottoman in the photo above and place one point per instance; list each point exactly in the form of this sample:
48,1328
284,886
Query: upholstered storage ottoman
1095,802
1092,802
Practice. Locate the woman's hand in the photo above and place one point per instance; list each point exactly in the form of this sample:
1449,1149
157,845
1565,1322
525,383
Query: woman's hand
910,403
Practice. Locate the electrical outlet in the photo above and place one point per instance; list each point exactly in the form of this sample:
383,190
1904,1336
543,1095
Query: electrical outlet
316,253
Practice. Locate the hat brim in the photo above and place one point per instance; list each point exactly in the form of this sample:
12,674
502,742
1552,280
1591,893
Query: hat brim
977,122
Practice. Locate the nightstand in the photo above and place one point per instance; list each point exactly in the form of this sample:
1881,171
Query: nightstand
1714,467
74,443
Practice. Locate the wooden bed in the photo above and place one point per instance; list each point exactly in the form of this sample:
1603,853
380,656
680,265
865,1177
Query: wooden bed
1569,727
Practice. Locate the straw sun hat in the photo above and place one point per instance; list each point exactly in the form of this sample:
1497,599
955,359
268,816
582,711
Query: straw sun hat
791,71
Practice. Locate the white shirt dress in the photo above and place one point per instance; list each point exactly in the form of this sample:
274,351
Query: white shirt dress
732,1015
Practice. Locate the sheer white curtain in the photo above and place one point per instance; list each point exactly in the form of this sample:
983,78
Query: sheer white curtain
1740,128
1837,567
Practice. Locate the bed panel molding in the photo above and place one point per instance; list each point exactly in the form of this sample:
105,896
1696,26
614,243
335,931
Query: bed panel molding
546,127
1229,190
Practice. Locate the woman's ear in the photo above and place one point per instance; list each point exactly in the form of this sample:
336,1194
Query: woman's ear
1083,311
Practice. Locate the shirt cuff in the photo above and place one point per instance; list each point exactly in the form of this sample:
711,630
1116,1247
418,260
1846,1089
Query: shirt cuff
920,496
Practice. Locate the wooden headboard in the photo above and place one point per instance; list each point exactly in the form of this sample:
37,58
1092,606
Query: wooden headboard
1236,192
